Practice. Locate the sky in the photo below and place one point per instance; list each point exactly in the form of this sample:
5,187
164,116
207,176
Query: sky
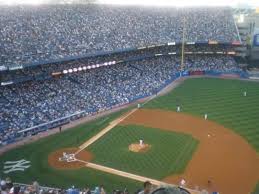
180,3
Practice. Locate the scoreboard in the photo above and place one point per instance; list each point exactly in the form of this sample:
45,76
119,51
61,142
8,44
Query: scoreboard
256,40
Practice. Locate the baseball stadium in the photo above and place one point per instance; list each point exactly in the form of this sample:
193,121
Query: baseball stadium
129,97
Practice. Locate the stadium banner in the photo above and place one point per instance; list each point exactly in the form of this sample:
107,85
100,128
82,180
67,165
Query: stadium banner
140,48
197,72
182,74
256,40
208,52
158,45
236,43
6,83
137,58
159,54
190,43
56,73
15,67
213,42
231,53
228,74
185,73
3,68
170,43
202,42
255,78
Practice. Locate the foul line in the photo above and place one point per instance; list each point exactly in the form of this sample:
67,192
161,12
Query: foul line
130,175
104,131
108,128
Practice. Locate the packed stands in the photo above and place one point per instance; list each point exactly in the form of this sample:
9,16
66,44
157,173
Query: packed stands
7,186
31,35
81,93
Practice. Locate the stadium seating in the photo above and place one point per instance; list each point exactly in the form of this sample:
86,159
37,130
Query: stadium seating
55,32
34,103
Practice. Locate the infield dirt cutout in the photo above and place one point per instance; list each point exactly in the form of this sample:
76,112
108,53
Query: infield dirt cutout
223,158
54,162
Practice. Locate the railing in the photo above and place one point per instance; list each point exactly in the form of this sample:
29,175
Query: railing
51,122
40,187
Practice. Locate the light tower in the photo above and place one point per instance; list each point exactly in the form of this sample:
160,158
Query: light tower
183,44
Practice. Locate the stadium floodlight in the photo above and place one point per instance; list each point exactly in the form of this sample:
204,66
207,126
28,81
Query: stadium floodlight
97,65
105,64
93,66
65,71
84,68
80,69
70,70
75,69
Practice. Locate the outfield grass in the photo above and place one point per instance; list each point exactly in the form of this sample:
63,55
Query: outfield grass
37,153
170,151
222,100
256,191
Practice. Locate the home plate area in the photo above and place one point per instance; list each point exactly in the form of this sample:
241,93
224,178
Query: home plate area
67,157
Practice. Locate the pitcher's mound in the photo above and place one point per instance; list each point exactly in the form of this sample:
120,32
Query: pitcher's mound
136,147
56,158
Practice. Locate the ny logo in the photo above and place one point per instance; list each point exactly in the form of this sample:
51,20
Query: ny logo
19,165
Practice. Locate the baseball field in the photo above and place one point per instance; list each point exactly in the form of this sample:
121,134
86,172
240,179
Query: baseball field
222,149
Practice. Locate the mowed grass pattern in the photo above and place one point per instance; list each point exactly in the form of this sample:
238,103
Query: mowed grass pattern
256,191
222,100
170,151
38,153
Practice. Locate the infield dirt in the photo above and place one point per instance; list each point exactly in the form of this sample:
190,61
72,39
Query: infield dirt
53,159
223,161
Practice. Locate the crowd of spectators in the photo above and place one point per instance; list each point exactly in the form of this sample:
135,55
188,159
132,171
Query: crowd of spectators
32,103
8,187
46,69
42,33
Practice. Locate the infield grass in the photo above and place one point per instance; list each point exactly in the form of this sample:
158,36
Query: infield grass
256,191
169,152
222,100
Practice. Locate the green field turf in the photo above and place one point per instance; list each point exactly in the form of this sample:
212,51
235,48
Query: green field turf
222,100
170,152
38,152
256,191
